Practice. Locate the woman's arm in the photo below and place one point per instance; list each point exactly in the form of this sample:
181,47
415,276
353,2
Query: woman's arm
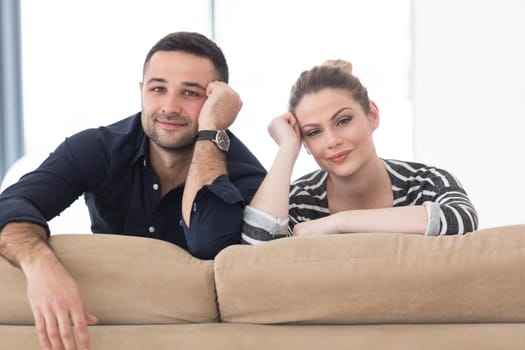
267,213
272,195
409,219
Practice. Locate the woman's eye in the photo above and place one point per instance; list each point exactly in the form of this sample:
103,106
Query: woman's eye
313,132
344,120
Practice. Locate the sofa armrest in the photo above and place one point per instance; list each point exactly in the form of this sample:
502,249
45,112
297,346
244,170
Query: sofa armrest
375,278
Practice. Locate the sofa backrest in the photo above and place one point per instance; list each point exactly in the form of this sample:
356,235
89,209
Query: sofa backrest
123,280
375,278
338,279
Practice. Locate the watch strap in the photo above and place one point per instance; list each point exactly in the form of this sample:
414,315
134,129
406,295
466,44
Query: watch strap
206,135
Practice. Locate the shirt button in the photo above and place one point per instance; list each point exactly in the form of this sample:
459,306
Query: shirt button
151,229
155,187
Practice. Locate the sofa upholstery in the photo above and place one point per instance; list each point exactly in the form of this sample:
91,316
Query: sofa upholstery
356,291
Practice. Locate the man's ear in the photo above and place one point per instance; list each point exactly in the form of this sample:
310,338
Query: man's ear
373,116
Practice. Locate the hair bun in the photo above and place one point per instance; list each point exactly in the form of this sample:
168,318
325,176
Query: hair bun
345,66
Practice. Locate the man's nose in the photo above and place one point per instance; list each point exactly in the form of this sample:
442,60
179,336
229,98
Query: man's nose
172,105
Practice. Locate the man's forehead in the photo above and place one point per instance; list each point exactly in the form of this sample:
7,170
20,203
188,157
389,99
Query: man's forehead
164,63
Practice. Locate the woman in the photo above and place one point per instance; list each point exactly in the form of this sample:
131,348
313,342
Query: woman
354,190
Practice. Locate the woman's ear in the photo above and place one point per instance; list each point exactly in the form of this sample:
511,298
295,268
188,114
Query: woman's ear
306,148
373,115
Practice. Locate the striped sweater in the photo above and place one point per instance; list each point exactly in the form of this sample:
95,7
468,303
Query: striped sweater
448,206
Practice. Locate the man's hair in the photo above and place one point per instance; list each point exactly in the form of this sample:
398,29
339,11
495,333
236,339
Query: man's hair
195,44
333,74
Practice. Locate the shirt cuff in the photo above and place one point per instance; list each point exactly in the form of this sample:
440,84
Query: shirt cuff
17,210
224,189
433,218
274,225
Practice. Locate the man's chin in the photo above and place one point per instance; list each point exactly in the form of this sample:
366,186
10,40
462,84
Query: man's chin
176,147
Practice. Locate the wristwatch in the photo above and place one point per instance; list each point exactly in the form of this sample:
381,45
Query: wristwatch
219,137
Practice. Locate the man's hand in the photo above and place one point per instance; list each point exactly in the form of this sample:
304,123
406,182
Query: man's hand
55,301
221,108
58,309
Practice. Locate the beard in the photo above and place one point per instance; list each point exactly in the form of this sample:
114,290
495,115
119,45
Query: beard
181,144
181,141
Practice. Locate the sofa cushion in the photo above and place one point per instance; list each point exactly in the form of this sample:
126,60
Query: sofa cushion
123,280
229,336
375,278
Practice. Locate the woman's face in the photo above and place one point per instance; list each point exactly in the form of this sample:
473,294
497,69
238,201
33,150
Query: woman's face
336,130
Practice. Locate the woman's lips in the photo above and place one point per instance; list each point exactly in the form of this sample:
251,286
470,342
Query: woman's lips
339,157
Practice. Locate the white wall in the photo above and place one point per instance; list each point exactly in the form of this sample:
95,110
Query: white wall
469,99
269,43
82,62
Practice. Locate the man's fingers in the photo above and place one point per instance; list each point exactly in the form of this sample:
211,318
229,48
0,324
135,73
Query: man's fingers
66,331
41,331
80,320
90,318
53,333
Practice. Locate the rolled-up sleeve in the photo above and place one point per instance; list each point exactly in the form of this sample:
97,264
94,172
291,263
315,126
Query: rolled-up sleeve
259,226
16,209
216,219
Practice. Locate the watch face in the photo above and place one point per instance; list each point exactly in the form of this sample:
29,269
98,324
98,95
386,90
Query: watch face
223,140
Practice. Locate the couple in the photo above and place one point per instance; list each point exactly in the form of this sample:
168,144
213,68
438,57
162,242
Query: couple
174,171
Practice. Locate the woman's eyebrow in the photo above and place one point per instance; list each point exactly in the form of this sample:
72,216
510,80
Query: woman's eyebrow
339,111
331,118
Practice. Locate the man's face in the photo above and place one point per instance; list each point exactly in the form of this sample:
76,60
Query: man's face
173,92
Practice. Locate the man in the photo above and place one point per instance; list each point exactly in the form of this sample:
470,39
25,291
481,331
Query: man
172,172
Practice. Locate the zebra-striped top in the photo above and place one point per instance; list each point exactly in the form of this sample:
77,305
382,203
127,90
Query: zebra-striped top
448,206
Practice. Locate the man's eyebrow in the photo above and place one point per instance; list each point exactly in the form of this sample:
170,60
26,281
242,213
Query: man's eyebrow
184,83
192,84
156,80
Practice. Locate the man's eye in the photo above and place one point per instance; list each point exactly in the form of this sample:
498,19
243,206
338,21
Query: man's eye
191,93
344,120
158,89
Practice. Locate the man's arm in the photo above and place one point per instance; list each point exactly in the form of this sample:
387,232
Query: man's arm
209,164
53,294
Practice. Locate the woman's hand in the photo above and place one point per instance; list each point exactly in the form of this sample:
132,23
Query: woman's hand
285,132
322,226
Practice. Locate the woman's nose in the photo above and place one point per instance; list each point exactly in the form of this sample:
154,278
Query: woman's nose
332,139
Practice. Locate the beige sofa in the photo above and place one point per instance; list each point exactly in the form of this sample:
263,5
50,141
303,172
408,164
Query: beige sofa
359,291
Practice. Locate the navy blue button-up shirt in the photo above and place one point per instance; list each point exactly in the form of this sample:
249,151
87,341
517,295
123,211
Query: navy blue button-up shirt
109,165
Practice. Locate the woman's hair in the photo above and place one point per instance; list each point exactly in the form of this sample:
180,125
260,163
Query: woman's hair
332,74
195,44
